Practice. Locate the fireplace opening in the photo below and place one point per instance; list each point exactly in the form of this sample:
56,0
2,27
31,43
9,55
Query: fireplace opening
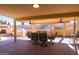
3,31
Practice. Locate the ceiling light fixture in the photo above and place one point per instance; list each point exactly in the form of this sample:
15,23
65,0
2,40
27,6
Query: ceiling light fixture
36,5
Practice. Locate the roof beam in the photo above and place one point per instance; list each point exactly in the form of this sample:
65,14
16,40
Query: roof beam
49,16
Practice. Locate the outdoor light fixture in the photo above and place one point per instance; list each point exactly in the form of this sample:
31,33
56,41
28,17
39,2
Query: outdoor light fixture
35,5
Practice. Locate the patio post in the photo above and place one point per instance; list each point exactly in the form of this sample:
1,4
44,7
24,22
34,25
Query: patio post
64,29
14,30
74,38
74,26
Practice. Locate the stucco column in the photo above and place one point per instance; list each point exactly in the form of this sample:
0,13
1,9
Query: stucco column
14,30
74,27
64,30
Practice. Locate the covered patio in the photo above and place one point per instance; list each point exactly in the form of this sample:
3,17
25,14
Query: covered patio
65,43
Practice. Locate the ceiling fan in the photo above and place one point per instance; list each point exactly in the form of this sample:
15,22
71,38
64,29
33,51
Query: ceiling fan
61,21
30,22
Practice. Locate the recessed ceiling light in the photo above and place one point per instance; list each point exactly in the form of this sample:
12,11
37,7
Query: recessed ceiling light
36,5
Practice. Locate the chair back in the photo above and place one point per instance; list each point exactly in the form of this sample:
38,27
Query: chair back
43,36
34,36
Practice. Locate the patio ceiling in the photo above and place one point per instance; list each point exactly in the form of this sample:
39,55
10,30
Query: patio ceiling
26,10
45,11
